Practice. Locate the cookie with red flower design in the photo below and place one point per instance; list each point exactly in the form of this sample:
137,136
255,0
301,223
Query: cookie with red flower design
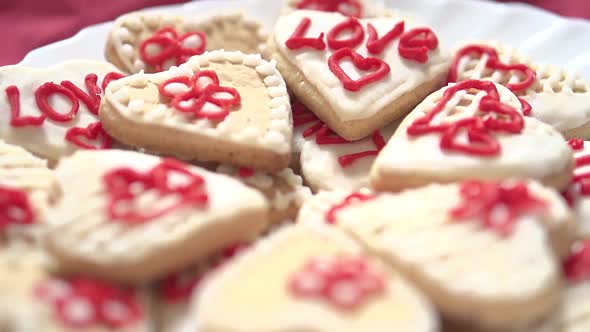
132,217
153,41
484,252
284,190
551,94
357,74
27,187
226,107
471,130
32,298
310,278
352,8
53,111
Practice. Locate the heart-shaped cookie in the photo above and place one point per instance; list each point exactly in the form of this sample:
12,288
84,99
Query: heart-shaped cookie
310,279
483,252
357,75
353,8
139,217
556,96
156,41
227,107
474,129
49,111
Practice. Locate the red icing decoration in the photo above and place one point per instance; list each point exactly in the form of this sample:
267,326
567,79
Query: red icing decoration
93,132
354,197
497,205
108,305
245,172
198,96
297,39
494,63
120,185
346,7
577,266
526,107
42,95
345,282
108,78
415,44
576,144
91,98
171,47
16,120
381,69
14,208
355,39
376,45
480,142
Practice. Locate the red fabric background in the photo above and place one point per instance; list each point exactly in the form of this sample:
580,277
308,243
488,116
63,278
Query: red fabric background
27,24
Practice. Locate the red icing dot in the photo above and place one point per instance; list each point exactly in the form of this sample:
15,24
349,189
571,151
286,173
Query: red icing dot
93,137
121,187
348,201
346,7
380,69
345,282
298,39
356,37
376,45
576,144
577,266
498,206
415,44
171,47
15,208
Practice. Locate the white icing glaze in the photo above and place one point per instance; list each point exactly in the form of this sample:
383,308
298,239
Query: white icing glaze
404,76
520,155
48,140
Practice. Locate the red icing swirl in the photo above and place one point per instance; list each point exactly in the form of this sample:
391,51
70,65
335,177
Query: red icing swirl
380,69
415,44
15,208
348,201
346,7
171,47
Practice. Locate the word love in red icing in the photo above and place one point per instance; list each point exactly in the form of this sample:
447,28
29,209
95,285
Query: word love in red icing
179,287
345,282
345,7
348,201
124,185
171,46
497,205
325,136
201,95
81,303
15,208
497,117
577,266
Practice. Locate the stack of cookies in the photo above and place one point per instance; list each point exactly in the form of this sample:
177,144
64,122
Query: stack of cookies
342,172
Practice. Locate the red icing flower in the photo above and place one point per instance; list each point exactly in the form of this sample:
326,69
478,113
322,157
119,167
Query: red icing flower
349,200
83,303
497,205
577,266
125,185
345,282
171,47
201,95
14,208
346,7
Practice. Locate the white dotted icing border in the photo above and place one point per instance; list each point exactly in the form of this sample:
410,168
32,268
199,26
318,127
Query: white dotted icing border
277,138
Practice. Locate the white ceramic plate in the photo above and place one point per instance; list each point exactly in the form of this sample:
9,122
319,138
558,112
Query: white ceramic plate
547,38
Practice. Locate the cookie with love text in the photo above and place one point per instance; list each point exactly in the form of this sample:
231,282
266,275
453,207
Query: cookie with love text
471,130
484,252
284,190
153,41
304,278
357,74
27,187
131,217
551,94
227,107
353,8
53,112
33,298
578,193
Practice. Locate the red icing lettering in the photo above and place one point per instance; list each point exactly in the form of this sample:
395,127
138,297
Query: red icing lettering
576,144
349,200
15,208
356,38
171,47
86,137
494,63
45,91
108,78
415,44
380,67
346,7
121,184
298,39
376,45
97,298
91,98
16,120
325,277
577,266
498,206
205,97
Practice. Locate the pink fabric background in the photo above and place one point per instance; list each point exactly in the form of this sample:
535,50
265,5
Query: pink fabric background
27,24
